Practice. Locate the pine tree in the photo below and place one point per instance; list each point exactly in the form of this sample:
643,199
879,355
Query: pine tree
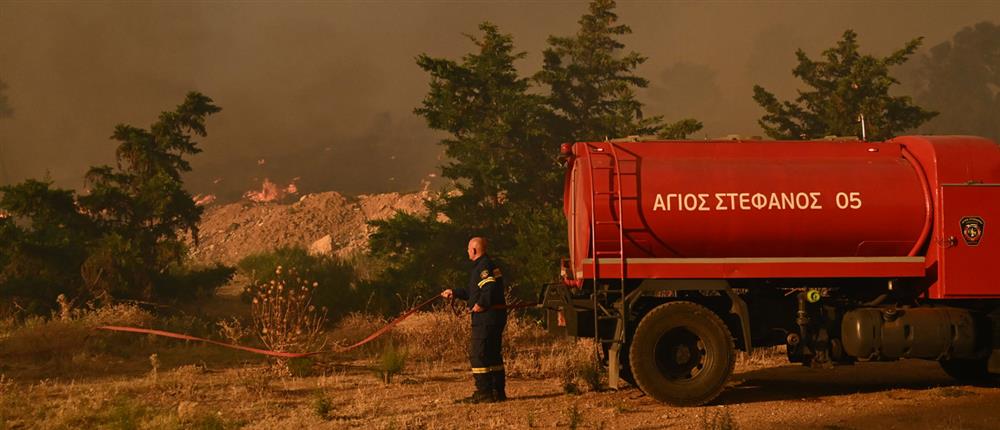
141,203
502,164
592,83
843,86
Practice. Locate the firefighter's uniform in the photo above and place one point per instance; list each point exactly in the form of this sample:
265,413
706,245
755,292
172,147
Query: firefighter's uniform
486,289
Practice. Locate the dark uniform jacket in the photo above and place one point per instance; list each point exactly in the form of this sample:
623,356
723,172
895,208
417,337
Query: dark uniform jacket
486,289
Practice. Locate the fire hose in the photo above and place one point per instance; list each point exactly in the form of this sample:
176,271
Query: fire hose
282,354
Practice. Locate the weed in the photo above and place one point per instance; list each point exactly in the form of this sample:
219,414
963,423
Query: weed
531,420
591,374
284,315
154,363
322,406
232,330
570,387
390,362
574,417
717,419
122,414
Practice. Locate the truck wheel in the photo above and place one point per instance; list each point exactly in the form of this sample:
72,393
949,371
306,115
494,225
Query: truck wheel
972,372
682,354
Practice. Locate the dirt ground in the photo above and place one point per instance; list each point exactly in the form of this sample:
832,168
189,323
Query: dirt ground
903,395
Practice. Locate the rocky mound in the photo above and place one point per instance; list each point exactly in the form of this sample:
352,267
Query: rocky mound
326,223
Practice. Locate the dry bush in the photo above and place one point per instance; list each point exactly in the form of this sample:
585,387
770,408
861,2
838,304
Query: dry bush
232,329
760,358
42,338
356,326
436,336
284,315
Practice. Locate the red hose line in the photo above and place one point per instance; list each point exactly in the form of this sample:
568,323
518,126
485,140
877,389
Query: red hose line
282,354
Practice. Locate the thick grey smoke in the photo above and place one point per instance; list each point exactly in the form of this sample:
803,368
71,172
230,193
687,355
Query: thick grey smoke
325,91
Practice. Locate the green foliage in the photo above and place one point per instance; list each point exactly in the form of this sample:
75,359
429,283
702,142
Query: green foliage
336,290
322,406
391,362
143,199
844,85
502,146
45,241
503,165
122,239
592,82
960,78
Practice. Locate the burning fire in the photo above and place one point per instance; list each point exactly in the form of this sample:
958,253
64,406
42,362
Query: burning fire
269,192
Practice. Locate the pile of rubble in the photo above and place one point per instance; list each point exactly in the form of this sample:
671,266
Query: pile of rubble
325,223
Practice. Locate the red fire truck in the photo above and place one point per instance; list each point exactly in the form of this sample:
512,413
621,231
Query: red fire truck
682,252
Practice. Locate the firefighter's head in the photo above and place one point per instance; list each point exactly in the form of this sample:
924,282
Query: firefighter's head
477,247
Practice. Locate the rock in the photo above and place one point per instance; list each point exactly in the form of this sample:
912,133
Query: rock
323,246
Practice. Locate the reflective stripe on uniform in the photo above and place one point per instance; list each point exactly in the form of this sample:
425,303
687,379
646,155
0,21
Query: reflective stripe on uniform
486,280
478,370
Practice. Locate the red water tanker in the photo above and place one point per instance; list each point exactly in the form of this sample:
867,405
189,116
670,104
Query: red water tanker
842,250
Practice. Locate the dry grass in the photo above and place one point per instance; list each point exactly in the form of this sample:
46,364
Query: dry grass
68,376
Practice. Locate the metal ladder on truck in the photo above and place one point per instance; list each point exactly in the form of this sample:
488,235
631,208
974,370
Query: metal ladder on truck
608,297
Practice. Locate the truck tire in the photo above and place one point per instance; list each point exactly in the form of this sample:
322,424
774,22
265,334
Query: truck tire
972,372
682,354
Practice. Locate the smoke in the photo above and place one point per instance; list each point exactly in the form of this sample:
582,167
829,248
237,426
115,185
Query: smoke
325,91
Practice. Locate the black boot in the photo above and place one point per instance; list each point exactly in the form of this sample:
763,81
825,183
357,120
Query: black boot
484,389
499,385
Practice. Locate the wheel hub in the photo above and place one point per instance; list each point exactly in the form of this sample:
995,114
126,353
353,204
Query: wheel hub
680,354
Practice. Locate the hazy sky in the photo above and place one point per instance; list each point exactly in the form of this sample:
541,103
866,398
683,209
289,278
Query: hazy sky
325,90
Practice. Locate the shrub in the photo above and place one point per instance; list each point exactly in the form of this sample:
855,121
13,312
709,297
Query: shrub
336,289
284,315
391,362
322,406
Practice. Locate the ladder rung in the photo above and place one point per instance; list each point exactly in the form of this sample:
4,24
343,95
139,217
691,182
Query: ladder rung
606,222
608,253
604,193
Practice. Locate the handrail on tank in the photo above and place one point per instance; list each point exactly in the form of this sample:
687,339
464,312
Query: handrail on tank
928,206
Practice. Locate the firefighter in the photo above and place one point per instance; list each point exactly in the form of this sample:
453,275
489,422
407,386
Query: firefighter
485,296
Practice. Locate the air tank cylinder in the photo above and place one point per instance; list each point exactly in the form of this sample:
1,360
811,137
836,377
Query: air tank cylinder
891,333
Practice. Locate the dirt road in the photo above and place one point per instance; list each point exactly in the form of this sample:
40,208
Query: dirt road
903,395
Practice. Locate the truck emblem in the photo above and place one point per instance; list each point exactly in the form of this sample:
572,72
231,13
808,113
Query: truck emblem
972,230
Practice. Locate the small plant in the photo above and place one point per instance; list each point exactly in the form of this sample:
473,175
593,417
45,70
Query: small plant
232,329
284,315
154,363
574,417
569,386
390,362
322,406
717,419
591,372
